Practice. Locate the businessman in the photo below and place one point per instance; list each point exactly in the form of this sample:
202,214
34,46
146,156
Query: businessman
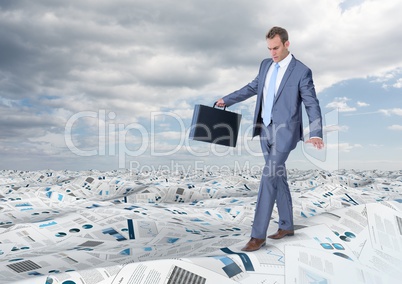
282,84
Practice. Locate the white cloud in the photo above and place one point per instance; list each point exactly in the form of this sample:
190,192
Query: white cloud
362,104
347,147
395,127
398,84
332,128
341,105
376,145
170,135
357,24
393,111
344,147
53,139
389,79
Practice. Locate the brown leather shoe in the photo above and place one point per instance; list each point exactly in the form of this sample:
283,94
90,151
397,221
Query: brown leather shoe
254,244
281,233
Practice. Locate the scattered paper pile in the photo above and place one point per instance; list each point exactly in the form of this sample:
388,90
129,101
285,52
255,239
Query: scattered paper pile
158,227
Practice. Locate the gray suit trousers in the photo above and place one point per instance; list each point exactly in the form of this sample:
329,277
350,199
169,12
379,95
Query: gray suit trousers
273,187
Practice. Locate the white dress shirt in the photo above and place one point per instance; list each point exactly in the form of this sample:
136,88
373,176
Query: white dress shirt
283,65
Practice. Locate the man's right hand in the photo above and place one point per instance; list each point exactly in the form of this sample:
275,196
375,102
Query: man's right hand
220,103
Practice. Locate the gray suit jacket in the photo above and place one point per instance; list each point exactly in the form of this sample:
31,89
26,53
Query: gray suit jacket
296,86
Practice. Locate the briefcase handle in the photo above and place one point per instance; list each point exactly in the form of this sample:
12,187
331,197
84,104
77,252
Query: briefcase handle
224,108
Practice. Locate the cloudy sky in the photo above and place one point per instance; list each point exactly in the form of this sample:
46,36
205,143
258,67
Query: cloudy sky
105,85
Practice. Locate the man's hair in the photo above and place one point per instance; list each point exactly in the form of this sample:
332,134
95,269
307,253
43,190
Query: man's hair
283,34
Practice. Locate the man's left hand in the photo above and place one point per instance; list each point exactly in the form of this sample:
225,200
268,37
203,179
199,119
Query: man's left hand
317,142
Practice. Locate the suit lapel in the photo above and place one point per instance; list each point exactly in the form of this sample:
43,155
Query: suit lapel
286,76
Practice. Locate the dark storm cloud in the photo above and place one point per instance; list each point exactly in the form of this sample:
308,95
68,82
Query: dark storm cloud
46,40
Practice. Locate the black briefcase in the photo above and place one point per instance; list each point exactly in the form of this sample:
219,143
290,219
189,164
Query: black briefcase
214,125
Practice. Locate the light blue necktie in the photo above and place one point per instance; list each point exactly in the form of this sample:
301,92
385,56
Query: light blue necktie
270,96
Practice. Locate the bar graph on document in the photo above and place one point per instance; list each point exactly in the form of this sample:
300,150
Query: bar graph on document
183,276
112,232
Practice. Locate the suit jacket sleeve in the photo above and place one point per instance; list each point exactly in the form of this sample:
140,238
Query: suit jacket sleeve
311,103
251,89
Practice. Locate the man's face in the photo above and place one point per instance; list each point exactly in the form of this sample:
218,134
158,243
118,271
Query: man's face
277,49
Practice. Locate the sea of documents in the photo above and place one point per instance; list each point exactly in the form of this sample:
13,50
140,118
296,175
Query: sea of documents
120,227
